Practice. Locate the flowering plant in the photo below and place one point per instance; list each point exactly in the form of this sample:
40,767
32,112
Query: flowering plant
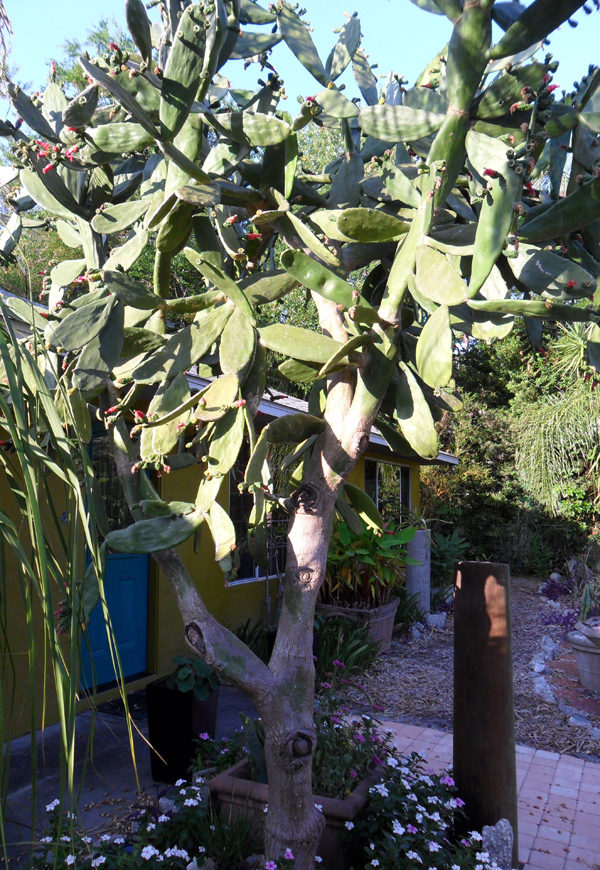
409,821
365,570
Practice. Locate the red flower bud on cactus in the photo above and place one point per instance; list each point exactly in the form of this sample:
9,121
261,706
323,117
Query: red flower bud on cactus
113,46
572,284
113,410
230,220
490,173
139,416
551,88
240,403
47,168
253,236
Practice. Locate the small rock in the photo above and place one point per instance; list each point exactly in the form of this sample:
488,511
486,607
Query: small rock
555,605
556,577
166,806
550,649
595,733
541,688
436,620
578,719
538,663
415,632
498,843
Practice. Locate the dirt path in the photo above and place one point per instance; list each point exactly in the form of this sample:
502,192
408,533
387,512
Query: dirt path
413,681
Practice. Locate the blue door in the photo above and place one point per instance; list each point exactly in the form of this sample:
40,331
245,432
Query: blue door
126,590
125,587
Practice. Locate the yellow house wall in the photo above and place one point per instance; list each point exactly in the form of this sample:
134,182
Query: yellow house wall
231,605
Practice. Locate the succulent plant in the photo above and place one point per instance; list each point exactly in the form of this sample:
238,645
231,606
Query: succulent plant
433,194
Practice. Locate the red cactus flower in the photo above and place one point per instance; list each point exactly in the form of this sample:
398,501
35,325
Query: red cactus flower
572,284
47,168
113,46
490,173
551,88
253,236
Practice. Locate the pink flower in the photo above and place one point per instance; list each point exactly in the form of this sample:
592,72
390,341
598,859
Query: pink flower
447,780
353,774
359,738
377,759
326,685
411,829
48,168
270,865
459,802
336,720
339,664
289,855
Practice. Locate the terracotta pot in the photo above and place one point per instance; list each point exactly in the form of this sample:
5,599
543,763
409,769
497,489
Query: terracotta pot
380,620
240,797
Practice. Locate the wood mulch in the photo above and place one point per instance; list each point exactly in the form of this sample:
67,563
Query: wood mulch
412,682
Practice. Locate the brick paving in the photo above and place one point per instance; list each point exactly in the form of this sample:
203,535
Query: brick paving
559,800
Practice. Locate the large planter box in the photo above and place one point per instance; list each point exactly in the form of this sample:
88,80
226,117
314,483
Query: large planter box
175,719
240,797
380,620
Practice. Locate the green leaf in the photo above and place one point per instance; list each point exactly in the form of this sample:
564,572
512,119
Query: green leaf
222,531
437,279
301,344
294,428
434,349
371,225
156,535
227,286
551,276
82,325
364,506
110,84
334,103
186,347
398,123
345,48
297,37
313,275
238,342
116,218
413,415
250,128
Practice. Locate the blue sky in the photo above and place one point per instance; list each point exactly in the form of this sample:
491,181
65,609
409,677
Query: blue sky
397,35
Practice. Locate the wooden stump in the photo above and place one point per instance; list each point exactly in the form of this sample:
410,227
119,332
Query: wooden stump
484,721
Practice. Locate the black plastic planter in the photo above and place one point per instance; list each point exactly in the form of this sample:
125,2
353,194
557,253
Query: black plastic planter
175,719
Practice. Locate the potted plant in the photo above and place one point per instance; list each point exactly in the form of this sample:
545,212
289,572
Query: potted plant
180,708
364,573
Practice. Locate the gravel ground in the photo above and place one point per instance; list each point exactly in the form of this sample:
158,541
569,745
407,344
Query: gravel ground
413,680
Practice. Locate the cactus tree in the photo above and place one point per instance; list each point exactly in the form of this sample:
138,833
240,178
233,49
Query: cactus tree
432,193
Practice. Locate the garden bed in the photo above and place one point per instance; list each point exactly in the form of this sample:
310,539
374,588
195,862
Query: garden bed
412,682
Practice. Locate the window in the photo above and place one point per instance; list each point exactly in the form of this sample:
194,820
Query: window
240,506
388,484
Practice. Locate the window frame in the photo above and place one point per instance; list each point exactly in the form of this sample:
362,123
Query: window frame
400,466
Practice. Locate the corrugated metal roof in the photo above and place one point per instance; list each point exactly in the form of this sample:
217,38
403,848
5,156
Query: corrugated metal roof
275,404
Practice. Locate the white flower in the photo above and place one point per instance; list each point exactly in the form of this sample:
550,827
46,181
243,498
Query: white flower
366,718
189,802
183,791
164,818
435,817
414,856
46,840
151,826
174,852
411,797
451,805
422,753
180,782
475,835
119,840
455,867
318,859
483,856
398,829
70,859
201,849
52,806
105,838
433,846
433,799
66,839
98,861
319,807
419,817
374,863
349,825
86,839
426,779
372,847
391,761
266,809
149,852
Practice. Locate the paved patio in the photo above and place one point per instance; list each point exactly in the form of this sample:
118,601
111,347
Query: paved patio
559,800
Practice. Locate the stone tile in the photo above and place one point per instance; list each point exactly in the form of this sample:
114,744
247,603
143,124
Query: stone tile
548,832
544,753
545,860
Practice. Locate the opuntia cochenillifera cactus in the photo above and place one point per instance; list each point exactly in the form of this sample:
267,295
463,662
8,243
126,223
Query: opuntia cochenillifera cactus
434,193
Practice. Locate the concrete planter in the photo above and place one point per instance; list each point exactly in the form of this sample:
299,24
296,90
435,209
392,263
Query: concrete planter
240,797
585,641
380,620
418,577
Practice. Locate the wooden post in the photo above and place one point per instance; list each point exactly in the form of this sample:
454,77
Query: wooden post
484,721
